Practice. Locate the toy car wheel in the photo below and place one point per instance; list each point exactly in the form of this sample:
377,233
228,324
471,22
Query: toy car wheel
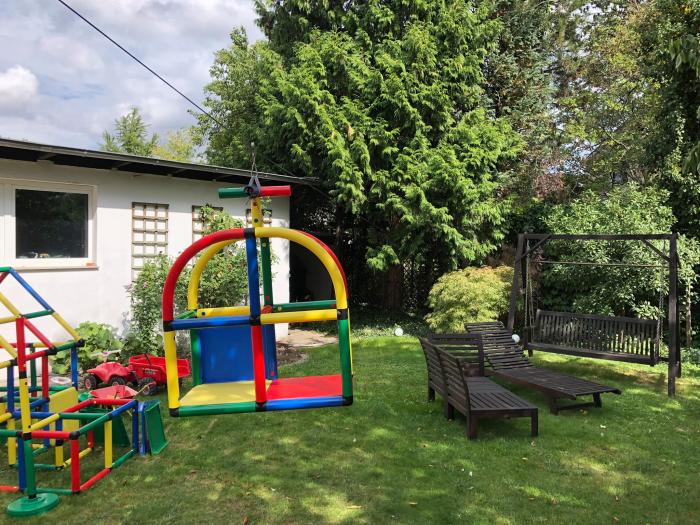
147,386
116,380
90,382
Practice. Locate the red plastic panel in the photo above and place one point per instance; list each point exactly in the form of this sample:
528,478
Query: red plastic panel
310,386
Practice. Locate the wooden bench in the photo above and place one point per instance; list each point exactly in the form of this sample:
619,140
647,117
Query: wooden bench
602,337
507,361
459,380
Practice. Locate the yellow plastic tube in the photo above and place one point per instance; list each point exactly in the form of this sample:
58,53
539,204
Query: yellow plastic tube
224,310
309,316
11,307
58,455
5,320
171,369
8,347
11,445
44,422
108,444
75,335
25,413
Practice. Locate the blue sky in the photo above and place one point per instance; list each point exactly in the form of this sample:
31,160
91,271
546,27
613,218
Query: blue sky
62,83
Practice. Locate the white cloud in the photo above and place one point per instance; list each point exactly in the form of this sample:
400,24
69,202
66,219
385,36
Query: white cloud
18,86
82,82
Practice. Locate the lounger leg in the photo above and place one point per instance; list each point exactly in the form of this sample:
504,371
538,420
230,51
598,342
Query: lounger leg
449,411
534,425
431,394
553,408
472,427
597,401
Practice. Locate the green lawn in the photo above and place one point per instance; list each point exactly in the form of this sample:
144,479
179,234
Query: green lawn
392,457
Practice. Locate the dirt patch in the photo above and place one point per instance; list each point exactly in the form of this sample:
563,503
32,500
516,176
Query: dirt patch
290,348
288,354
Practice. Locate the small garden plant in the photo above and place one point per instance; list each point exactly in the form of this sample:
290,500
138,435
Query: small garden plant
99,338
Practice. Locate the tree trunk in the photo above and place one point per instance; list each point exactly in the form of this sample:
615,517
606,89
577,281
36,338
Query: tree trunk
393,288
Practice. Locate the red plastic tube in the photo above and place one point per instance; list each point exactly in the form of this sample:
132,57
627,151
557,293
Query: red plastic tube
37,354
258,364
275,191
91,439
110,402
51,434
45,377
75,465
182,260
79,406
8,488
33,329
21,346
97,477
2,276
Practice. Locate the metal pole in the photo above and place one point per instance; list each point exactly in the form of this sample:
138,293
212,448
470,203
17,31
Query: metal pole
515,289
673,349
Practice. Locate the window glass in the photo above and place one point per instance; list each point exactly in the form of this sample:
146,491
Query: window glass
51,224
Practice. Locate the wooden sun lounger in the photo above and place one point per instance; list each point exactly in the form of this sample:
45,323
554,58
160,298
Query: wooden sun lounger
506,361
458,377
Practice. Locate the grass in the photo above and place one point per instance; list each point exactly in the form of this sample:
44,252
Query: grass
391,457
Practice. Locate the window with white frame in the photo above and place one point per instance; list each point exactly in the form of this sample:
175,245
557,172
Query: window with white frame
198,223
46,224
149,231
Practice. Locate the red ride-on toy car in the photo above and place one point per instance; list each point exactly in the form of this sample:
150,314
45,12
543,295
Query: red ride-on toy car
146,372
110,373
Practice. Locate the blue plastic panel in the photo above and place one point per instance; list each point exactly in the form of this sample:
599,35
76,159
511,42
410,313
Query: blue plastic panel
270,351
226,354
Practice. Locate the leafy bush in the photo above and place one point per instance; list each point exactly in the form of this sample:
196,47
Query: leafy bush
145,295
468,295
98,337
691,355
611,290
223,283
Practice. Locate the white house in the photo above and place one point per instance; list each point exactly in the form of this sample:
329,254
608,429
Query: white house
78,224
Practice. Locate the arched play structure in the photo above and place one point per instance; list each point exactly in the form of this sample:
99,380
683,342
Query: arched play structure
627,339
234,356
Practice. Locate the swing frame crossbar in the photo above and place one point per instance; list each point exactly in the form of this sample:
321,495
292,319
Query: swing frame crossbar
669,260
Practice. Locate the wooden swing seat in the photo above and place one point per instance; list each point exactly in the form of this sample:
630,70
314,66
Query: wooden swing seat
602,337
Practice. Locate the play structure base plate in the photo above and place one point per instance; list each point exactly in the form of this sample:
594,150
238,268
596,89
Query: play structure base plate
27,506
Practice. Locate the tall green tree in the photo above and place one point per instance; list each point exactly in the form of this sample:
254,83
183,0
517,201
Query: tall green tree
130,135
384,103
671,30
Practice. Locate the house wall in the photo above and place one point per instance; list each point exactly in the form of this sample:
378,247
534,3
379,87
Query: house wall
99,293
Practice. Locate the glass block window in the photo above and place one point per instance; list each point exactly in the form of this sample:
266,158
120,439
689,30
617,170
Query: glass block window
149,233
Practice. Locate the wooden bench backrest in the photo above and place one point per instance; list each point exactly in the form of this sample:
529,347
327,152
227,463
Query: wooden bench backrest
596,333
469,348
502,353
432,361
455,380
